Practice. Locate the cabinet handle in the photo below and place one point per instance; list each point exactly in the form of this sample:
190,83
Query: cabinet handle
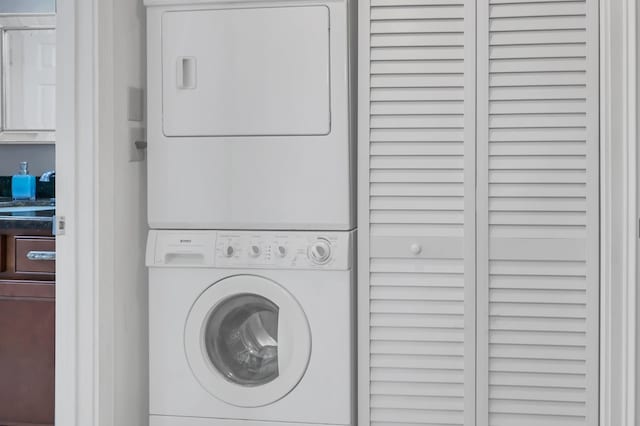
41,255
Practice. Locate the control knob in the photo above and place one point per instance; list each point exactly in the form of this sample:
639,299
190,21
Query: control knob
254,251
229,250
320,252
281,251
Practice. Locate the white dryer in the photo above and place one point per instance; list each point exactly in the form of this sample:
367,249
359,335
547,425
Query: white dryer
251,329
251,119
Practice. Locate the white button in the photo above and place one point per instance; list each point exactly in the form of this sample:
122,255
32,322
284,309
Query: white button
254,251
416,248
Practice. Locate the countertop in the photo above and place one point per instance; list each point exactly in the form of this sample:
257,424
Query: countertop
27,220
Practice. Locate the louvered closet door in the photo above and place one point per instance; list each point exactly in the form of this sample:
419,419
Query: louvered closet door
538,230
417,166
478,240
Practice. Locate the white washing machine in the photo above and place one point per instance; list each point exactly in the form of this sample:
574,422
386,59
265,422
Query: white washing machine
251,328
251,114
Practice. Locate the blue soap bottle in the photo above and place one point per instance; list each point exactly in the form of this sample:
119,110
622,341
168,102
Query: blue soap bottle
23,185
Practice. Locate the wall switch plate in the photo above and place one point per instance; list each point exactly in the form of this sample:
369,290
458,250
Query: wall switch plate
136,104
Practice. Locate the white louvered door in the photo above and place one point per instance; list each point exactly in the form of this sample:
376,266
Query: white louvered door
478,186
538,232
419,172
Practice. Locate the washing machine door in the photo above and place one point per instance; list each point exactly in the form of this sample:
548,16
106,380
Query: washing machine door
247,341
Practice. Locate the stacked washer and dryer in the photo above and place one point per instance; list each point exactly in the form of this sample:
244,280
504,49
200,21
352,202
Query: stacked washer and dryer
251,255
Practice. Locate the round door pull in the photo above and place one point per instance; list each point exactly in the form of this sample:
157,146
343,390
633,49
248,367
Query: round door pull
416,248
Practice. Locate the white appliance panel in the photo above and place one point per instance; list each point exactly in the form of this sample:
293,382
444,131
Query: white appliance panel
230,184
325,293
295,182
261,71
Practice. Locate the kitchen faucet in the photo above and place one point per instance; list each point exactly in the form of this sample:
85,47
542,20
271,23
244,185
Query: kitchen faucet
46,176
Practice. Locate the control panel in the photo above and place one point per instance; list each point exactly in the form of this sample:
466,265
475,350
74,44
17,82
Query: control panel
251,249
290,250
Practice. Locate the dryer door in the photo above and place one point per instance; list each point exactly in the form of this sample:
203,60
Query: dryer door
247,341
246,72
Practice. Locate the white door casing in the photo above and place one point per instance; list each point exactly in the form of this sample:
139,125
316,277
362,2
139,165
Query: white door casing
619,120
100,273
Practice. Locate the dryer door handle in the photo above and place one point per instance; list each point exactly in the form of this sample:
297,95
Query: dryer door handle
186,72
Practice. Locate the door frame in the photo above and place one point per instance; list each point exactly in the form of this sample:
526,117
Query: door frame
84,181
619,218
83,371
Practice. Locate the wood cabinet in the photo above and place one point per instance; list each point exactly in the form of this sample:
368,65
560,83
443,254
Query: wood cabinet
27,330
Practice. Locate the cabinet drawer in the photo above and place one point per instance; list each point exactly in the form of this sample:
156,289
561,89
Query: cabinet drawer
26,245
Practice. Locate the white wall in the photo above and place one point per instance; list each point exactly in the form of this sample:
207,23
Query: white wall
131,326
40,157
130,223
122,224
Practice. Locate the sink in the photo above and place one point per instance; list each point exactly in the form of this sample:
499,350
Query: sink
22,209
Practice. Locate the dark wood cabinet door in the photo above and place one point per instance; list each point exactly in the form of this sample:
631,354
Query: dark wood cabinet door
27,348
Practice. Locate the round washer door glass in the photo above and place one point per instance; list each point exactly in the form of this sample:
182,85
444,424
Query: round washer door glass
241,337
247,341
